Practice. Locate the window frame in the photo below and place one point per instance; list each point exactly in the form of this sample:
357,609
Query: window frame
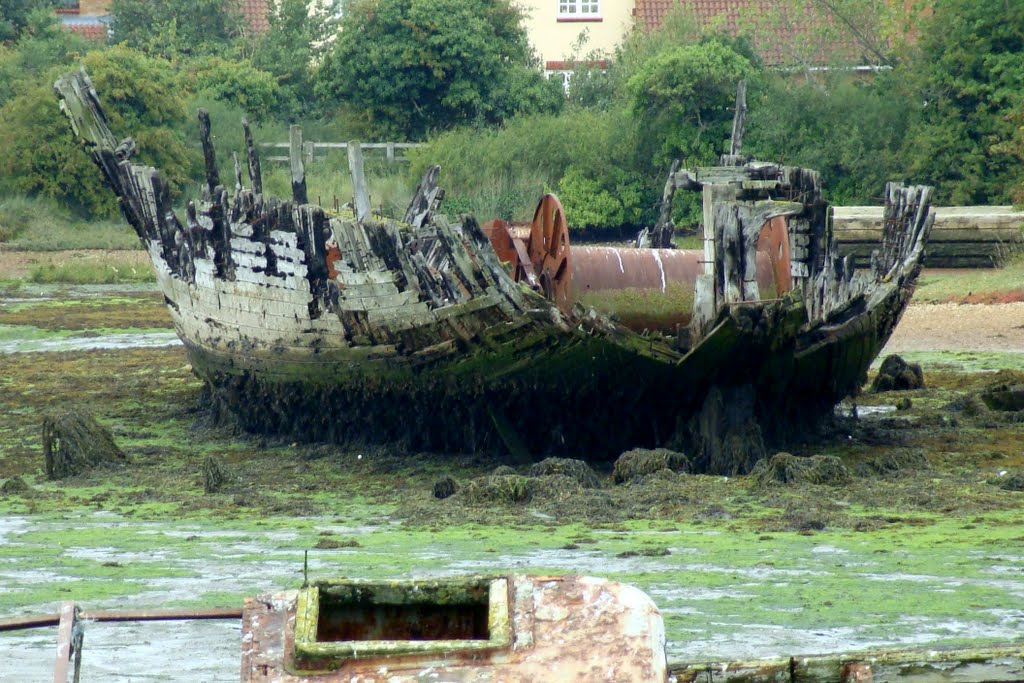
575,10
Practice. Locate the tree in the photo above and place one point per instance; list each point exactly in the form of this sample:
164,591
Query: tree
41,45
684,98
414,66
969,77
297,39
16,16
237,83
849,129
38,155
171,28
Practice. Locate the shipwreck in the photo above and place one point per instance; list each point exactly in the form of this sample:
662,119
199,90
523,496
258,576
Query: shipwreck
341,324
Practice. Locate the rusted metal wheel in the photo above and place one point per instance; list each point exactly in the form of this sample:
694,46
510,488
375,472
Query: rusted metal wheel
548,250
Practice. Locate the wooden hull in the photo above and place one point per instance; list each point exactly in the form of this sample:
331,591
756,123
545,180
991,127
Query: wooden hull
349,327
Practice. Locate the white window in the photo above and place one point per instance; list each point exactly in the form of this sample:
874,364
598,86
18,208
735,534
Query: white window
578,8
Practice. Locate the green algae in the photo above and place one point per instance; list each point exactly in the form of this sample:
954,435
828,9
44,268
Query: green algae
920,551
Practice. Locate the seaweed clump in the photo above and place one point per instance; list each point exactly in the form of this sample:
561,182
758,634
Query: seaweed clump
641,462
74,442
577,470
786,468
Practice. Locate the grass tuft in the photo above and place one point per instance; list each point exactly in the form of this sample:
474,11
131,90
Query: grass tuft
979,285
36,224
89,274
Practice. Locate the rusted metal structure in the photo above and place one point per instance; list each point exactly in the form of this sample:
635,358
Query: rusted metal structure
517,629
646,289
346,325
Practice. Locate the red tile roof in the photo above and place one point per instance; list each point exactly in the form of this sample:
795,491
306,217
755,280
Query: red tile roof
736,17
255,13
90,31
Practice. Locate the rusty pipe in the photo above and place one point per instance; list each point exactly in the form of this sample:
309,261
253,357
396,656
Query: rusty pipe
644,288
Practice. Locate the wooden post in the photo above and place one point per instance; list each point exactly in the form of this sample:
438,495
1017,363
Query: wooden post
361,197
307,152
298,170
739,120
662,237
69,643
421,205
238,172
255,174
209,156
390,152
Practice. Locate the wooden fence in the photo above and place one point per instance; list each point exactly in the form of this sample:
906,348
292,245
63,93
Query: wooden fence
963,236
317,151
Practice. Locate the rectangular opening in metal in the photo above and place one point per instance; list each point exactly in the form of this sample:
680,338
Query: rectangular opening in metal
360,615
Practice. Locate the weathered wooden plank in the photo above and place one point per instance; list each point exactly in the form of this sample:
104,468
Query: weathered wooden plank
398,299
209,155
369,277
69,644
255,174
368,291
241,245
298,171
284,239
361,198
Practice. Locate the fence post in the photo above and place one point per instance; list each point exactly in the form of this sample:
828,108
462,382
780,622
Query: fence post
307,151
391,152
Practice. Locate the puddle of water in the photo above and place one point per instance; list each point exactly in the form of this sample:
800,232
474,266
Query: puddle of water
32,292
863,412
32,340
158,651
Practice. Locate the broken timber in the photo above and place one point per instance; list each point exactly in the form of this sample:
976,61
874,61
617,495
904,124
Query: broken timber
350,327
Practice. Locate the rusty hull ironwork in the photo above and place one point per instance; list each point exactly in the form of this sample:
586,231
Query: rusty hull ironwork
644,288
561,629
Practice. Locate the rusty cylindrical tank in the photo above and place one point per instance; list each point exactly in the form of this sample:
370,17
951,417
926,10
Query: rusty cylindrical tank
643,288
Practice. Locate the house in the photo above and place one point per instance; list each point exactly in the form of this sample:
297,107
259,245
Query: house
784,34
566,31
92,18
88,18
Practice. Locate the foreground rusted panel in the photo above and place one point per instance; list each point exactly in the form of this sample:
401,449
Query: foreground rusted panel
348,326
555,628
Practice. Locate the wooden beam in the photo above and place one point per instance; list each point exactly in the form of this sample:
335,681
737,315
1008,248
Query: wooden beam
66,643
255,174
209,155
299,193
361,198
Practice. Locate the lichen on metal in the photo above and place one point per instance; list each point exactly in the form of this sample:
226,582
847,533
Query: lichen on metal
540,628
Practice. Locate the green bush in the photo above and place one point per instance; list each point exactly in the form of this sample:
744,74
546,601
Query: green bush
850,131
38,224
613,198
503,172
238,83
38,155
684,98
90,274
410,67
